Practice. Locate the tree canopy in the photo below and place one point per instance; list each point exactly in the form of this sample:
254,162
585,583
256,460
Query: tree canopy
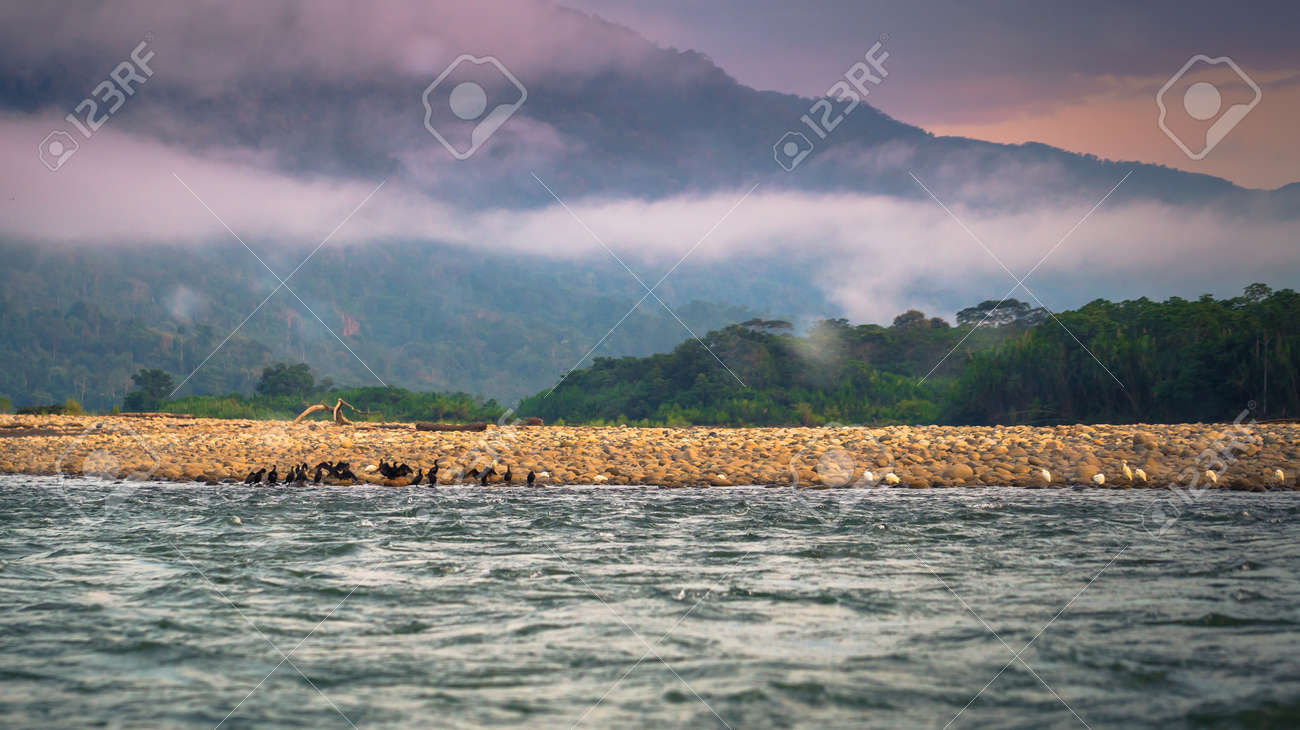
285,379
153,386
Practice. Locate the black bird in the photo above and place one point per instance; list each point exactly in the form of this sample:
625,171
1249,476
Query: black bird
273,477
300,475
531,477
419,477
392,471
255,477
508,475
433,474
346,473
483,478
320,474
471,475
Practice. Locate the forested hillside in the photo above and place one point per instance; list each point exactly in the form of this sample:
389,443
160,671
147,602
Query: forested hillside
1172,361
78,322
1175,361
837,372
1133,361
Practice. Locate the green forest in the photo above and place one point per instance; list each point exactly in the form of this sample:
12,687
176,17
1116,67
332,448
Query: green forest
1132,361
78,322
284,391
1003,363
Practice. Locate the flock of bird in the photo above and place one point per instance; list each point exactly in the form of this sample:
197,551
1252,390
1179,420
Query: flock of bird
1133,476
1136,476
341,471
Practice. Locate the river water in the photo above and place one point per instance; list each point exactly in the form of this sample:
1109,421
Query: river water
161,605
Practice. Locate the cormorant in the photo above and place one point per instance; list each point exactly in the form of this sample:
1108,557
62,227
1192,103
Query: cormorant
255,477
531,477
320,474
274,477
419,477
483,478
433,474
471,475
508,475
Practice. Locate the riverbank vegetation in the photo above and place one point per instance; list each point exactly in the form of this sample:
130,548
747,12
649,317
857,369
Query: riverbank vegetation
1003,363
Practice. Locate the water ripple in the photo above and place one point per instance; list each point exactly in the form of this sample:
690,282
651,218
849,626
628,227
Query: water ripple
152,605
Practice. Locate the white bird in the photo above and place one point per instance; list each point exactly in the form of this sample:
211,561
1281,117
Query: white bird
1281,476
1099,479
1140,474
868,477
1211,476
371,467
891,478
1128,473
600,478
1047,475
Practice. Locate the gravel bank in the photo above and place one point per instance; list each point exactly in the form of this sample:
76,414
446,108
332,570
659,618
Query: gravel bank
1245,456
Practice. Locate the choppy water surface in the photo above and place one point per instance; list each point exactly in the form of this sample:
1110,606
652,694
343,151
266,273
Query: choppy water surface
643,607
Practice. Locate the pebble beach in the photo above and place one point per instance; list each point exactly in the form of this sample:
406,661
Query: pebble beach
1244,456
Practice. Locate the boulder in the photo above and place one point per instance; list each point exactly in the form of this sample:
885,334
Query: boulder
958,472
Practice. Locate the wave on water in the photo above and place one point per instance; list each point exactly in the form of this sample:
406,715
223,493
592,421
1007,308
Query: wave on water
556,607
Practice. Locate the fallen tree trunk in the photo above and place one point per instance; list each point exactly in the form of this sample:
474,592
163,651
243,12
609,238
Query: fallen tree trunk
427,426
339,418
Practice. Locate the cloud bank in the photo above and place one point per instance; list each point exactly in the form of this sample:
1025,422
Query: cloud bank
873,255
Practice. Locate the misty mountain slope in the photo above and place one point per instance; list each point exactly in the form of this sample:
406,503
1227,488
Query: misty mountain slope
78,323
614,116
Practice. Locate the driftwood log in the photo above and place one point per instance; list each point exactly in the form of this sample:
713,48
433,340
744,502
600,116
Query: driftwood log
427,426
339,418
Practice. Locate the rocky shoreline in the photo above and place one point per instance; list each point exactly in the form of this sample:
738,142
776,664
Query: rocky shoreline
1241,456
